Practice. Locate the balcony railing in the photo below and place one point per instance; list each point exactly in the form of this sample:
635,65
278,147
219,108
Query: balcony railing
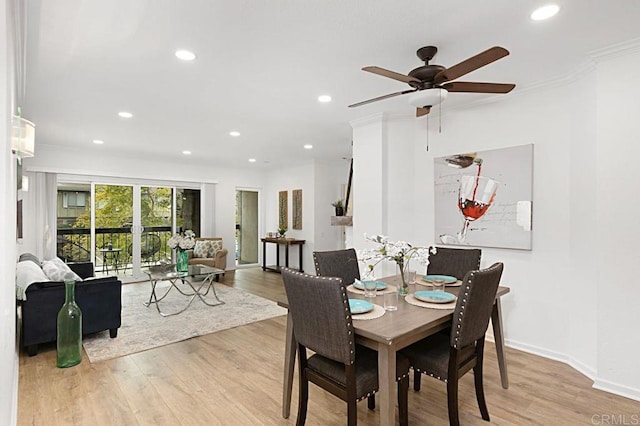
74,245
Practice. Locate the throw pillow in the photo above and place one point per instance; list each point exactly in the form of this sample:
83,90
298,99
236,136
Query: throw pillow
57,270
27,273
207,248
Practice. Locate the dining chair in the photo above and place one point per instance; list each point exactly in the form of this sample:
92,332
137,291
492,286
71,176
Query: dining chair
454,261
338,365
447,358
337,263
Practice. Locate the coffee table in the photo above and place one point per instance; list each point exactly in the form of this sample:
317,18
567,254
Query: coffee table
169,273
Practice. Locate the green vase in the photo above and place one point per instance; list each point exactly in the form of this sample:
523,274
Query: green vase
182,261
69,340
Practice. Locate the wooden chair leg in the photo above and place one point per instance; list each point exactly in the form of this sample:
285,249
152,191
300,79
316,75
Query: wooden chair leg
477,379
452,401
403,401
352,412
416,380
303,399
371,402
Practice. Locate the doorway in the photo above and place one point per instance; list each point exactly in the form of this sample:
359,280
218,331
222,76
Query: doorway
247,227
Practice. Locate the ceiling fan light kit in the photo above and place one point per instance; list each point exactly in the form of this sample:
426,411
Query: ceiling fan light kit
428,97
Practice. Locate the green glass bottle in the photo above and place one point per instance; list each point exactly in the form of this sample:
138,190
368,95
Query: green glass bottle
69,329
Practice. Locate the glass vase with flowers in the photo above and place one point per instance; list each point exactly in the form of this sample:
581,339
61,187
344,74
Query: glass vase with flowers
181,243
399,252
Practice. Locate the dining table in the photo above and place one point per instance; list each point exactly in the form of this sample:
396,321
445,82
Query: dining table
390,333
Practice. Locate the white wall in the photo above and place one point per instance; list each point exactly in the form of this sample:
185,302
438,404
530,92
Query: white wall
321,185
584,234
617,233
8,347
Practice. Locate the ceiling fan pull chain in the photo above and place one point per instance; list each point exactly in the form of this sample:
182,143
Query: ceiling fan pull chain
427,133
440,115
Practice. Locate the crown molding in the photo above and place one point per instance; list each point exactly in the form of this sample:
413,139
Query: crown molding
624,48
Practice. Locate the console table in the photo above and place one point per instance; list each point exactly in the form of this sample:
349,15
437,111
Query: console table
286,242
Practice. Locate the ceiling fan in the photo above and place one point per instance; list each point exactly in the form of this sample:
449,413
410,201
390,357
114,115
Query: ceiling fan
431,83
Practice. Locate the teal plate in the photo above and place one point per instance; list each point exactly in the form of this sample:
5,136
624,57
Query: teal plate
434,296
359,306
360,285
446,278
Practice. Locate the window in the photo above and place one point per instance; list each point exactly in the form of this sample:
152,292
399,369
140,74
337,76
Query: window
74,199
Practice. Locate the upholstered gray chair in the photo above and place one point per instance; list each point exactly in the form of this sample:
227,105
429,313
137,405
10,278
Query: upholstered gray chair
339,366
337,263
454,261
448,358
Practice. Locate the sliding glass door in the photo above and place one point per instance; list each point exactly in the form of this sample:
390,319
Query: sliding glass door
123,228
112,231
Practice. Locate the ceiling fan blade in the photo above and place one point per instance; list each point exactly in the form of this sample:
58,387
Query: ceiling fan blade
422,111
379,98
391,74
471,64
472,87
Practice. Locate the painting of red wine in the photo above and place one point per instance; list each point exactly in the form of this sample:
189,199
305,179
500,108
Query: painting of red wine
484,198
475,196
472,210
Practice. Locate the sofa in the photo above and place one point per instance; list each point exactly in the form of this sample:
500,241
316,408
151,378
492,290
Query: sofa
209,252
99,299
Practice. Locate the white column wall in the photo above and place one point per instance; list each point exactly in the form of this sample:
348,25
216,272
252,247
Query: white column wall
582,322
617,233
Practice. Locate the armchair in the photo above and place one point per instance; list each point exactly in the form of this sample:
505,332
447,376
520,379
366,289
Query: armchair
209,252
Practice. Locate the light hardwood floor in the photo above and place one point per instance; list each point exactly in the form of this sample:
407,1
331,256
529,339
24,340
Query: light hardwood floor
234,377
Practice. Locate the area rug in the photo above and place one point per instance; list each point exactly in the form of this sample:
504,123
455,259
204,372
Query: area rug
144,328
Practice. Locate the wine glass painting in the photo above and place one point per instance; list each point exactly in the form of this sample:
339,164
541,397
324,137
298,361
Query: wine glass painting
475,196
484,198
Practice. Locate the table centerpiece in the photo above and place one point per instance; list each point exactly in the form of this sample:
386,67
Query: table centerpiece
400,252
181,243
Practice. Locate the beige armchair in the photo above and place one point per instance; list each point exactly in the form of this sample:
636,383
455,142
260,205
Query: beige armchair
209,252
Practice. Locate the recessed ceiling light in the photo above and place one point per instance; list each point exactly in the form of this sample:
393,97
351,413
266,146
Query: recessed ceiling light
324,98
185,55
186,152
234,133
308,146
252,160
545,12
125,114
98,141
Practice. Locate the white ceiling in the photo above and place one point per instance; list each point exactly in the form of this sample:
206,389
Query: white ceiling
262,64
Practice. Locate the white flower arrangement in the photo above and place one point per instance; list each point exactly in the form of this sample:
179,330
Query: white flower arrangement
400,252
183,242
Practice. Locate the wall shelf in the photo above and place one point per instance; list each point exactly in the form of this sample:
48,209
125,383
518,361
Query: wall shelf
341,220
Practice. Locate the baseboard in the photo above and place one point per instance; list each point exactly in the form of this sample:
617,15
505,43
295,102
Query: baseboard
556,356
600,384
622,390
